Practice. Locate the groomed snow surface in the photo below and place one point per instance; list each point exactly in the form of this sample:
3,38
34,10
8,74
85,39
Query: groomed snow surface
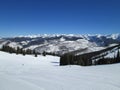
19,72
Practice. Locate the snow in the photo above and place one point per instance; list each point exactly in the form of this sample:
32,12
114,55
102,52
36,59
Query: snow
62,39
2,43
113,36
25,42
112,54
63,46
19,72
14,45
33,46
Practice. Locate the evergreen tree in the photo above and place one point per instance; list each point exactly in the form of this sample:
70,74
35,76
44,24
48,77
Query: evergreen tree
71,58
79,60
63,60
3,48
18,50
44,53
23,52
28,51
118,57
35,54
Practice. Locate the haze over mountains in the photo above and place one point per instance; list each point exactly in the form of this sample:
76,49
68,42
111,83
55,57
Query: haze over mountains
62,43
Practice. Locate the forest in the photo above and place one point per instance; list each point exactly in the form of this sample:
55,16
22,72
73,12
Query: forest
92,58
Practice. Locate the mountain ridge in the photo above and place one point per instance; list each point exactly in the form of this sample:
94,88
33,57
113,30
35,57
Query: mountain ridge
61,43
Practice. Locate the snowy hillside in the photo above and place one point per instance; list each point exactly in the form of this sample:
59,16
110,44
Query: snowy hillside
61,43
19,72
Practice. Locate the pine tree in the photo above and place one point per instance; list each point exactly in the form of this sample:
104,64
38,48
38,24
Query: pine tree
35,54
23,52
10,50
3,48
71,58
118,57
64,60
17,51
28,51
44,53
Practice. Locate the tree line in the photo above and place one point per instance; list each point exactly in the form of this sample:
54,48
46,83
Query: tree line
93,58
22,51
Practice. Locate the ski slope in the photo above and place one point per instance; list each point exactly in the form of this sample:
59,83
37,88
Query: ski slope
19,72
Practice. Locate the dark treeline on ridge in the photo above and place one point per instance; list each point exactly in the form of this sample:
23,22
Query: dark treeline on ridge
19,50
92,58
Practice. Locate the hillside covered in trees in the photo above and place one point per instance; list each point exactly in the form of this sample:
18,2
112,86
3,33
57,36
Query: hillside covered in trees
92,58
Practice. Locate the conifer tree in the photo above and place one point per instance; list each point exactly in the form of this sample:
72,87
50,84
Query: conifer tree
17,51
28,51
118,57
35,54
23,52
44,53
3,48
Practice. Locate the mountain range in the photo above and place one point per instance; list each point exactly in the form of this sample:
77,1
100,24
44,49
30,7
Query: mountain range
62,43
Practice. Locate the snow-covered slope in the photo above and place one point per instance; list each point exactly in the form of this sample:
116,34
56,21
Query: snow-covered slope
65,46
19,72
63,43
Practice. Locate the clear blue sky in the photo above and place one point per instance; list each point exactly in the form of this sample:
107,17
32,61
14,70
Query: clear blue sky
23,17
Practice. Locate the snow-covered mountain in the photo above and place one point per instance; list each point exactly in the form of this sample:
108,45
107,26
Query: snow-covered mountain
61,43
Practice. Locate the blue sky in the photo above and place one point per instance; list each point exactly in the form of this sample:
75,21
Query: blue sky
24,17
